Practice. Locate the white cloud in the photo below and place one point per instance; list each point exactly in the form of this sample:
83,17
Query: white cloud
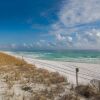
59,37
13,46
88,39
98,34
70,39
8,46
79,12
73,29
25,45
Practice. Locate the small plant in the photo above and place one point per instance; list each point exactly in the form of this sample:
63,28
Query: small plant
27,88
39,97
86,90
69,97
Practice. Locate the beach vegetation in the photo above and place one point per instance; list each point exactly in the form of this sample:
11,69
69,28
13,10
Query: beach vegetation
27,78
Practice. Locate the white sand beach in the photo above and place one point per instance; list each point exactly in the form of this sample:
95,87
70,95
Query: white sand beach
87,71
20,79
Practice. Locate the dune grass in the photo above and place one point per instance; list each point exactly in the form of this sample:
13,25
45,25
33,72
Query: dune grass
6,59
14,70
19,68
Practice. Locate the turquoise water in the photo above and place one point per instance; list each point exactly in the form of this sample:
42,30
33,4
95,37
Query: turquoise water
71,56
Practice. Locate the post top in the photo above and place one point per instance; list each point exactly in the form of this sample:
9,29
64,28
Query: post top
77,69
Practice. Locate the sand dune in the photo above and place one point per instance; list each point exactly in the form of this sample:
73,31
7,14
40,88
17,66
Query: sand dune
87,71
27,78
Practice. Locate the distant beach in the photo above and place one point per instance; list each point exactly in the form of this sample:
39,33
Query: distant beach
83,56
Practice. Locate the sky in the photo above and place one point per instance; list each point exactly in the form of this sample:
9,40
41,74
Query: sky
49,24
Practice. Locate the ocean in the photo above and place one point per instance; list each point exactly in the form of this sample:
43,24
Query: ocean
83,56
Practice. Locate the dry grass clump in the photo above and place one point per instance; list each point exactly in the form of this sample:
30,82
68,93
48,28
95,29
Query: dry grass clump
40,97
27,88
6,59
96,97
88,92
69,97
48,94
27,73
49,77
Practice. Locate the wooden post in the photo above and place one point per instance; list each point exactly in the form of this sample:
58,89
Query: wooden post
22,58
77,70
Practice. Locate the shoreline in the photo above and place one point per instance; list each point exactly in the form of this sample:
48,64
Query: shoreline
87,71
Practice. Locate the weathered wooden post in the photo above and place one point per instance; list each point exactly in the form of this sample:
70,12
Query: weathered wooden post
77,70
22,58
